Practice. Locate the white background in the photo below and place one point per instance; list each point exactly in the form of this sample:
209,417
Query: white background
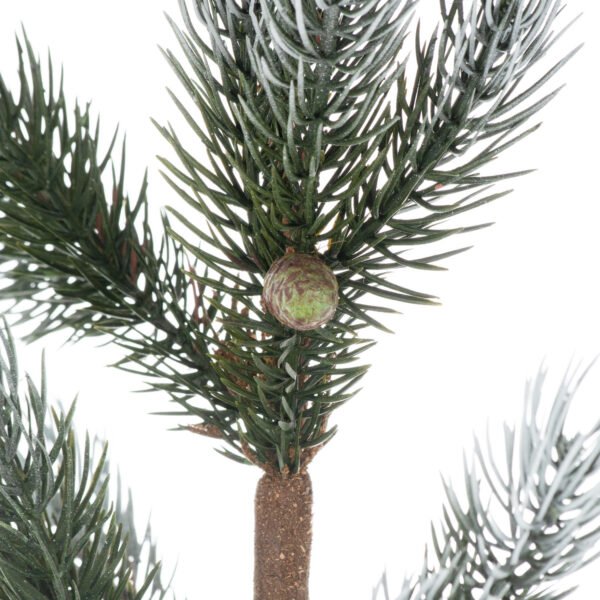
525,294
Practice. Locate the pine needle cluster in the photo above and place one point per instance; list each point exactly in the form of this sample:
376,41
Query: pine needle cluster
529,514
317,141
61,536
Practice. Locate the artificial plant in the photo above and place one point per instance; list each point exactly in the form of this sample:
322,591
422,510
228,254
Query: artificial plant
332,154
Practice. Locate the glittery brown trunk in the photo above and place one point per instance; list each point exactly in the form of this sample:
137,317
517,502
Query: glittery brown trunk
282,537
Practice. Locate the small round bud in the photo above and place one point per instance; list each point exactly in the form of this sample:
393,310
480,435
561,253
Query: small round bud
300,291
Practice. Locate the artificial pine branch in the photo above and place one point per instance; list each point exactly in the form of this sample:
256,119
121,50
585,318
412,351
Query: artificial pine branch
62,538
468,104
532,511
56,213
79,258
325,154
309,153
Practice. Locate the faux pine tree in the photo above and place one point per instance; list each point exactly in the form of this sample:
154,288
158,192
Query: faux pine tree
332,152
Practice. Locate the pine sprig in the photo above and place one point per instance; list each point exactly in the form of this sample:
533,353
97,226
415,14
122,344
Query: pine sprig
309,151
316,143
290,74
531,516
80,259
467,105
259,195
62,538
55,216
287,108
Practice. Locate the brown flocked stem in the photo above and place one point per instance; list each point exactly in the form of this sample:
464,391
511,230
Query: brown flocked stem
283,525
283,535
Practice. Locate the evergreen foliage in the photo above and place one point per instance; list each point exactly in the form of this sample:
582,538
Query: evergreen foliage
322,140
531,518
61,537
79,258
318,141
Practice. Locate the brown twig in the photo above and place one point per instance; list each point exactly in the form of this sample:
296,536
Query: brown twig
205,429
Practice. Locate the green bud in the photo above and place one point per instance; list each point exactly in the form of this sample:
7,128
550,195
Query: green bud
300,291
